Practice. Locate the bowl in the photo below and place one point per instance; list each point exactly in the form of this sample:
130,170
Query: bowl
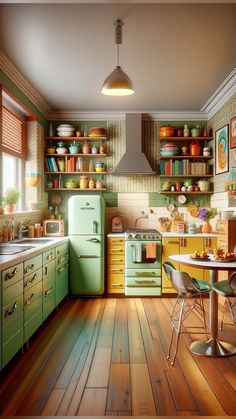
167,131
97,131
65,134
70,184
61,150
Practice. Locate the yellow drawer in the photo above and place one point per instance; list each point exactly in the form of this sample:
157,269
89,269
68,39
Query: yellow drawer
116,269
32,264
49,255
12,275
115,281
116,249
115,240
116,259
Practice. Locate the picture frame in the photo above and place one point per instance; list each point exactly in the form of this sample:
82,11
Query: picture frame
222,150
232,135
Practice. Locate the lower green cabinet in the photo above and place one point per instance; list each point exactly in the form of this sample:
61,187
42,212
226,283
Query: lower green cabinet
49,288
61,272
30,291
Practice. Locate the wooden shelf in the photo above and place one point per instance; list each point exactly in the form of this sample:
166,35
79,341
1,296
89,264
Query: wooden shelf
76,189
185,157
184,176
77,173
185,193
76,155
78,139
187,139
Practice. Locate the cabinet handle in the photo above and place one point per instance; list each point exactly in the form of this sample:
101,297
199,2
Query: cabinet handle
30,280
140,273
10,275
145,281
45,270
117,285
48,292
93,240
49,257
28,301
10,311
117,260
62,269
117,241
172,242
116,269
29,268
61,259
116,250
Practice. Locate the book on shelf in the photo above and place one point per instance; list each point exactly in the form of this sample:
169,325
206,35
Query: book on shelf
47,167
53,164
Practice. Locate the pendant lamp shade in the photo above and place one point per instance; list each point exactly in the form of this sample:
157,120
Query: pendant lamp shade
118,82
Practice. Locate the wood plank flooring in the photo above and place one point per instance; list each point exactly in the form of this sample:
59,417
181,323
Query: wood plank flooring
107,357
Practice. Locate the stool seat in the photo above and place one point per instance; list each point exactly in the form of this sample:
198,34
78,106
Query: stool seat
203,285
223,288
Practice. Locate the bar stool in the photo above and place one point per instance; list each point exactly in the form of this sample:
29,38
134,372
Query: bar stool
227,289
189,299
203,285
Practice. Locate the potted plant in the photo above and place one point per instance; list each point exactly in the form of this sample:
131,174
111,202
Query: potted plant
10,198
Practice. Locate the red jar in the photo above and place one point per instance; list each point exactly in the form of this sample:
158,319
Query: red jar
195,149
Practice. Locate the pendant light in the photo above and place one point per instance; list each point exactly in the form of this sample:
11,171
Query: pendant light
118,82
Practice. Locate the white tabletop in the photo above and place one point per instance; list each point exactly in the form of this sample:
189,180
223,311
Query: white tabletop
209,264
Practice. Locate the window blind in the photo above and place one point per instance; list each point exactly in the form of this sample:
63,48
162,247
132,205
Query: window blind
13,141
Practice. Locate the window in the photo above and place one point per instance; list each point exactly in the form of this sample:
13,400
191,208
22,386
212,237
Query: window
13,153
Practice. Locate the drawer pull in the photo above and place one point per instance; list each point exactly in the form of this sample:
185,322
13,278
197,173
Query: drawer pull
29,268
117,260
116,250
11,275
145,281
62,259
47,292
117,285
10,311
140,273
28,301
117,241
49,257
116,269
62,269
30,281
172,242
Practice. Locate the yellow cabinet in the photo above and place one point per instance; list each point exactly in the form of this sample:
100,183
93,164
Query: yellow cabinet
181,245
115,265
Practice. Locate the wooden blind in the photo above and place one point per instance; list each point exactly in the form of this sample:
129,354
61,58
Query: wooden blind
13,141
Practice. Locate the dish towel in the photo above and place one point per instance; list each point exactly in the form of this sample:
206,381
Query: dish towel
137,252
151,250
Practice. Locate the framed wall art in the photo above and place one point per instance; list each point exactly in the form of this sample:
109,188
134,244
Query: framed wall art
232,134
222,150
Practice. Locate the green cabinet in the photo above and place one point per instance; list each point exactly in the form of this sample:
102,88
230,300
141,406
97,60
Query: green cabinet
12,318
49,288
62,259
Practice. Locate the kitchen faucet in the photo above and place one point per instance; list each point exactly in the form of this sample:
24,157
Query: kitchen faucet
139,218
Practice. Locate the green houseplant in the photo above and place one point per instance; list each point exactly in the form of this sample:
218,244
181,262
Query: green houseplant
10,198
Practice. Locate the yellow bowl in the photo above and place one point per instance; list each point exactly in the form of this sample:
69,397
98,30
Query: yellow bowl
100,169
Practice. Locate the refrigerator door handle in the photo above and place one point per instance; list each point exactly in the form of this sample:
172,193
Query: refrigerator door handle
87,256
94,227
93,240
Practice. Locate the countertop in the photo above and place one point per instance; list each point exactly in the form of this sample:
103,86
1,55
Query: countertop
37,248
169,234
116,234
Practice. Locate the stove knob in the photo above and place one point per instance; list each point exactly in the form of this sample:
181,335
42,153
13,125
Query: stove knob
157,237
136,236
149,237
144,236
130,236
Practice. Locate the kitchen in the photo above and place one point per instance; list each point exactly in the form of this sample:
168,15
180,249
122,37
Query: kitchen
112,348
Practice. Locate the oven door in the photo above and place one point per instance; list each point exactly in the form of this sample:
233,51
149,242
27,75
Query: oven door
138,256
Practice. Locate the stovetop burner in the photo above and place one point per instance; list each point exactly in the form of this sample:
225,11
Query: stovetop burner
142,234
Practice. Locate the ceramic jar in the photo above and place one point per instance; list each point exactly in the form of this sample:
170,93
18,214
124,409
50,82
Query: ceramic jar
186,131
102,149
196,131
85,148
94,150
74,148
99,166
204,185
83,182
195,149
51,149
61,149
91,184
99,184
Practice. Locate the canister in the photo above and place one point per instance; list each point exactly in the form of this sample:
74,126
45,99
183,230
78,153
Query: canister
195,149
91,184
83,182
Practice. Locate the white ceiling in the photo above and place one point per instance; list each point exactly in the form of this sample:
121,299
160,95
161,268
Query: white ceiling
176,54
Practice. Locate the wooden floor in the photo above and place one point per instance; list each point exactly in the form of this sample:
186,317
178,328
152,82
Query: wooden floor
106,356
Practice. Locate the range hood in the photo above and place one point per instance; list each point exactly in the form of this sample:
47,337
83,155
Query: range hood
133,161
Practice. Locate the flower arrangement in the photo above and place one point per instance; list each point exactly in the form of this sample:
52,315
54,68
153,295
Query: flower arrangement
207,214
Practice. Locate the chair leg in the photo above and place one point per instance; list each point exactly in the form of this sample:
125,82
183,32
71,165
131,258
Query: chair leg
231,309
178,331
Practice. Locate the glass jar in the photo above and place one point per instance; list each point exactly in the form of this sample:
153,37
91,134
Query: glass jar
83,182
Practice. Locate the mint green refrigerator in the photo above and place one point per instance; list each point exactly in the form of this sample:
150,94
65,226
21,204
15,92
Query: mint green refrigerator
86,244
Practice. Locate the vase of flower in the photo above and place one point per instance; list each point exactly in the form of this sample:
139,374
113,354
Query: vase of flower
206,228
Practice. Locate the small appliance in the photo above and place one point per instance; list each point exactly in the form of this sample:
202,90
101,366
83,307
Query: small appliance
53,228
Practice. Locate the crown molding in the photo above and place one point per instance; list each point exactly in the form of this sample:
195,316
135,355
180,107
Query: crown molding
15,75
223,93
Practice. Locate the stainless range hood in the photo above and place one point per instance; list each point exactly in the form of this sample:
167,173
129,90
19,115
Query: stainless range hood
133,161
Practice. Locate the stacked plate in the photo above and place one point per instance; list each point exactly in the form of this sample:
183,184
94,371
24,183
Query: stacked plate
169,149
65,130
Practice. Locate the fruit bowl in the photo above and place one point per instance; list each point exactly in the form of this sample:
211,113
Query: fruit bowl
71,183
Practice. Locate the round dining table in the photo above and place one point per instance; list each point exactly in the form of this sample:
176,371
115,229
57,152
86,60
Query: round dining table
212,347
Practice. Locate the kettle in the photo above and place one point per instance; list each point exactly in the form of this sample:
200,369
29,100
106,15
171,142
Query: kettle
204,185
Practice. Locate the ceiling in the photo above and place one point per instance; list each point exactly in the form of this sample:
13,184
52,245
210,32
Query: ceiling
176,54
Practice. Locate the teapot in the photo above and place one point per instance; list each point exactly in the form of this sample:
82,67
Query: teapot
74,148
61,149
204,185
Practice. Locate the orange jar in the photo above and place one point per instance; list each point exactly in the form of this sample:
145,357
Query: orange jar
195,149
83,182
